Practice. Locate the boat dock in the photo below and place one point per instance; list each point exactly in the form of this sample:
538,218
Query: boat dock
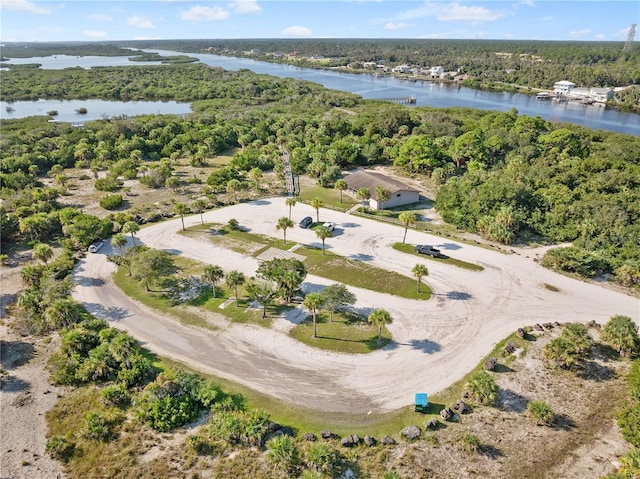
406,99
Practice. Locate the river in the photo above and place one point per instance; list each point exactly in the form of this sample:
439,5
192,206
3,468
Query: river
368,86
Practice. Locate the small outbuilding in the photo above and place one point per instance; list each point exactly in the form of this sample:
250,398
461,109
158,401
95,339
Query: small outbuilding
399,193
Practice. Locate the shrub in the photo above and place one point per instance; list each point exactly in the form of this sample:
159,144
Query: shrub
283,454
541,411
100,426
60,449
483,388
233,224
621,333
471,442
115,395
111,202
629,422
199,445
109,183
320,457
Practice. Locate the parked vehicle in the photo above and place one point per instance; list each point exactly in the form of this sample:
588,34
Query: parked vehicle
95,247
306,222
430,250
329,225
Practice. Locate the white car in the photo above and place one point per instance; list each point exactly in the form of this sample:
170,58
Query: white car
96,246
329,225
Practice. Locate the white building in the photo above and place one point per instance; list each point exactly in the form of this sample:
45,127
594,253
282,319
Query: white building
563,87
399,193
436,72
602,94
401,69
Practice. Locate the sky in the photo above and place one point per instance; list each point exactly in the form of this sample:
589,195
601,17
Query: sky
111,20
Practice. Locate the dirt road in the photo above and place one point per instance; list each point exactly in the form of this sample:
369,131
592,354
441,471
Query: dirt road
435,342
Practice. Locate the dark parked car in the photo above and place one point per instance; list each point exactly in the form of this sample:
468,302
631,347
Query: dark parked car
306,222
426,249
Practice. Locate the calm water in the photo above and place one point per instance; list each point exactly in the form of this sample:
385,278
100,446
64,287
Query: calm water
367,86
96,109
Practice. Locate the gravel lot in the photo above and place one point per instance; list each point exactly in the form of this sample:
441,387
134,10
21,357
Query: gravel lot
434,343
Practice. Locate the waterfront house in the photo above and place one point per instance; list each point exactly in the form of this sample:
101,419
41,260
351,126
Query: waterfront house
602,95
436,72
401,69
563,87
401,194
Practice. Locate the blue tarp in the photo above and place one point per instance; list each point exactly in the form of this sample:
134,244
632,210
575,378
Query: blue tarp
421,399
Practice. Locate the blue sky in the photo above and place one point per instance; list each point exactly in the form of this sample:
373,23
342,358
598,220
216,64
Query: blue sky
63,20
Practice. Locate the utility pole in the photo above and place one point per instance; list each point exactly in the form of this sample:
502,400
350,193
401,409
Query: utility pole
629,42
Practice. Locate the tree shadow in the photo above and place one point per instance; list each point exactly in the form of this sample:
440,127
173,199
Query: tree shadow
502,368
318,245
173,251
87,281
14,354
114,313
490,451
424,345
458,295
259,202
449,246
593,371
511,401
351,225
361,257
14,385
563,422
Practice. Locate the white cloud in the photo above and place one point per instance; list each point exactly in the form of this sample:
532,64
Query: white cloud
600,36
297,31
141,22
624,33
101,17
23,6
580,33
450,12
455,12
244,7
198,14
528,3
397,26
95,34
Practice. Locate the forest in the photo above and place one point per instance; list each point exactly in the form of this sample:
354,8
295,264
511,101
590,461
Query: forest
490,64
509,177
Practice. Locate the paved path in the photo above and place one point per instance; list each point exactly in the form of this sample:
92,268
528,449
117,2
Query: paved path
435,342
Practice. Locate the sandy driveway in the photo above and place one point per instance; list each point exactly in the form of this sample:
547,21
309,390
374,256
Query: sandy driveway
435,342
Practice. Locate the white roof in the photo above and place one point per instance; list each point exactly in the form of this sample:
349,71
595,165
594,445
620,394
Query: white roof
565,83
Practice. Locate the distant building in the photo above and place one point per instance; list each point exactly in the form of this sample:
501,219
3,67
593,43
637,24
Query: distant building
602,94
401,194
436,72
563,87
401,69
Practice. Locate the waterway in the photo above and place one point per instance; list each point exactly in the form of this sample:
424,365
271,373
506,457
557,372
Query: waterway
369,86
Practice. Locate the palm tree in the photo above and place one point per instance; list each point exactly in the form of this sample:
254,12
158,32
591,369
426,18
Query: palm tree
43,252
419,270
317,203
283,224
407,218
379,317
233,187
290,202
323,232
119,241
382,195
181,209
234,279
483,388
341,185
131,227
213,273
263,293
622,334
313,302
363,195
255,174
198,208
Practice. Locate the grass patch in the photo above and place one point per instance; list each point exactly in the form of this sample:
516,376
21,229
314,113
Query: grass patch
360,274
194,313
551,287
347,333
329,197
410,249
